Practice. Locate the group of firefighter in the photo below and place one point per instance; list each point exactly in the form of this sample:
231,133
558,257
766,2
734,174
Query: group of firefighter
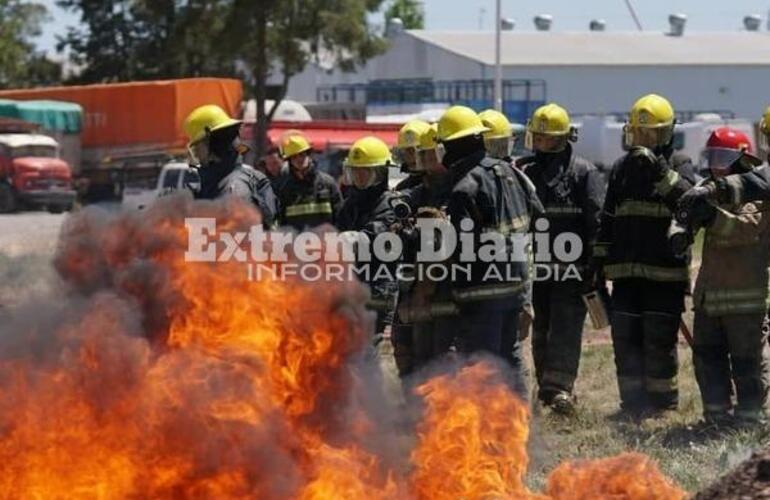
637,228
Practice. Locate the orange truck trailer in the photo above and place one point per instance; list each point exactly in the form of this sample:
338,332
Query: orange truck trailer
131,129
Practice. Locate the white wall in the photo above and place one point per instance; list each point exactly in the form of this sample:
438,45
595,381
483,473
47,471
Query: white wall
742,90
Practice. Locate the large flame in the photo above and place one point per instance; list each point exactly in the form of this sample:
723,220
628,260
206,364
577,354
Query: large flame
158,378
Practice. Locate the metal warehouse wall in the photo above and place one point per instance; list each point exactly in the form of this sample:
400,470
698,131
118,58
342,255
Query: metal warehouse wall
742,90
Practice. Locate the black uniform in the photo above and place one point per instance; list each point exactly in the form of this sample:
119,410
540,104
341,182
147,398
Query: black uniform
310,201
426,312
572,192
369,211
232,177
496,198
649,281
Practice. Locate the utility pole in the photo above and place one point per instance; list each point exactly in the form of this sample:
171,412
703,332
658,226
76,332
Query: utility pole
498,66
633,15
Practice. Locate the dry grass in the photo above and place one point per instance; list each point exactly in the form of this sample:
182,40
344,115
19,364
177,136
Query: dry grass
684,452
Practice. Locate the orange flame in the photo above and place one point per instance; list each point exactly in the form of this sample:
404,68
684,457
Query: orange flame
162,378
473,438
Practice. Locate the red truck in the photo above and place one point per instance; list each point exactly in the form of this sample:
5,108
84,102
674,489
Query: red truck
32,173
129,130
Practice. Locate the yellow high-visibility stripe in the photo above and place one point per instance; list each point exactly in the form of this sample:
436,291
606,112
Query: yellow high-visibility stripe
313,208
487,291
634,208
638,270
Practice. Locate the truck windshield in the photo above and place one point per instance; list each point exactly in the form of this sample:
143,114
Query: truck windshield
34,152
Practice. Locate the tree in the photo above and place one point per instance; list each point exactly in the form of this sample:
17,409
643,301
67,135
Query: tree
124,40
20,65
252,39
409,11
282,36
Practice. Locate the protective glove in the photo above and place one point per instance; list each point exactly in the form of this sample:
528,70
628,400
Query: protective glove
704,192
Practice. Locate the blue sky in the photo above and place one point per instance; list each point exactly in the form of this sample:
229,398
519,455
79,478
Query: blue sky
569,15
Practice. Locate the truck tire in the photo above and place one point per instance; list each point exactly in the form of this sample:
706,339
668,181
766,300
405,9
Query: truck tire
8,203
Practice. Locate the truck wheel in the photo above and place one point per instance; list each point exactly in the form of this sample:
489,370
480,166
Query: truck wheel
55,209
7,199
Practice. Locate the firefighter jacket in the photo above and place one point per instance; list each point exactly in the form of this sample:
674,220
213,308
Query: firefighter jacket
243,181
411,181
741,188
633,235
427,298
502,203
308,202
369,211
572,192
733,277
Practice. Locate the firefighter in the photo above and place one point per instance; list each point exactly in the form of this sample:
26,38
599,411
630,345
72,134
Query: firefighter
499,139
488,199
406,152
308,197
368,210
271,164
737,188
426,312
572,192
214,147
730,346
499,142
649,281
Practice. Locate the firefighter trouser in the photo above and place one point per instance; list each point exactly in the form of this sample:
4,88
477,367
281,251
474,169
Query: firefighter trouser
731,349
492,326
557,335
645,324
418,344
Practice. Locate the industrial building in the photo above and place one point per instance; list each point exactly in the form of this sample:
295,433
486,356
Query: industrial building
596,71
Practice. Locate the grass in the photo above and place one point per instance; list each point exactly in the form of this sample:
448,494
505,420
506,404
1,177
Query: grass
692,458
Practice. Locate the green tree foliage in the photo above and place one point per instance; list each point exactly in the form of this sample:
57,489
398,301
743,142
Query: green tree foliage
20,65
409,11
122,40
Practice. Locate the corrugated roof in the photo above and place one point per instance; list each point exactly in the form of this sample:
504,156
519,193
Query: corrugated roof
606,48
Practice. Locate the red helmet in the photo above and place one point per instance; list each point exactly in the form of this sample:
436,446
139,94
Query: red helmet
726,146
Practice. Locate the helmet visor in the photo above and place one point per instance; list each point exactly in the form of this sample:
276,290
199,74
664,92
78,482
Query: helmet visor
719,160
499,147
198,153
406,156
428,160
365,177
647,137
545,143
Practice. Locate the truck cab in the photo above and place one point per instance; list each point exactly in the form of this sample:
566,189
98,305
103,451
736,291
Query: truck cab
33,175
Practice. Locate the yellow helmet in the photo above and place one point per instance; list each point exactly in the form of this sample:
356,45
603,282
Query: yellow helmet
368,152
409,135
458,122
206,119
550,119
764,125
651,111
498,125
429,138
650,123
293,143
